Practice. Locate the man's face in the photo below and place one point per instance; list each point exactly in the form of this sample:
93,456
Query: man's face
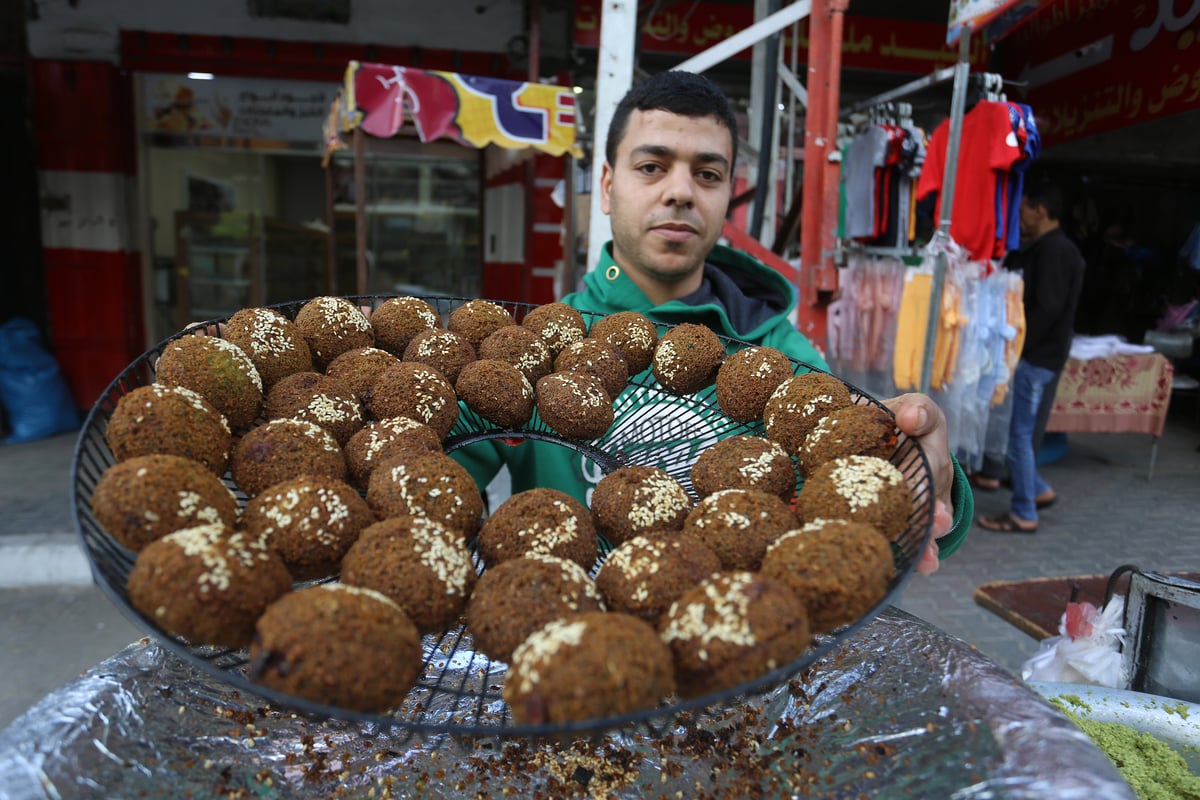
667,195
1030,219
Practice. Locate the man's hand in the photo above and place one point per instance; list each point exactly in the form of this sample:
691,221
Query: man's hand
918,417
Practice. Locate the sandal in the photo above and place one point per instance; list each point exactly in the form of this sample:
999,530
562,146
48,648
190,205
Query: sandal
981,481
1006,523
1045,499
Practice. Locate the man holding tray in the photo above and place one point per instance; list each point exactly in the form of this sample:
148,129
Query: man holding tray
667,183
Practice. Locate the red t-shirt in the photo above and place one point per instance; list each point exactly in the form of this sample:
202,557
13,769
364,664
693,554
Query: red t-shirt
987,149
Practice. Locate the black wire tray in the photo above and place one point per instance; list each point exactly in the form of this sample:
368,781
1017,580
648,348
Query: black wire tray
458,692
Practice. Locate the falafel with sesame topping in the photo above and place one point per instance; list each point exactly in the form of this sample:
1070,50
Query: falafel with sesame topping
282,449
475,320
633,334
420,565
169,420
310,520
859,488
207,584
271,341
317,398
539,520
557,323
687,358
798,404
748,378
399,319
745,462
219,371
331,326
637,500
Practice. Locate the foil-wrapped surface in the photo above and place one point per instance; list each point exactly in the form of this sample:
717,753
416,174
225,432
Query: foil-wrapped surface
900,710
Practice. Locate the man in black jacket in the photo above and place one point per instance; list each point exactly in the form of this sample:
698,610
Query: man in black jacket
1053,272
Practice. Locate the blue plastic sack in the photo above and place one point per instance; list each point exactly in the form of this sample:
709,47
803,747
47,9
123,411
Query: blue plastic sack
32,390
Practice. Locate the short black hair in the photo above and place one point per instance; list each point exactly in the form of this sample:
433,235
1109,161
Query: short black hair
683,93
1047,195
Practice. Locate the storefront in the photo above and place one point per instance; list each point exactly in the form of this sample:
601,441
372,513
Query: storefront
239,209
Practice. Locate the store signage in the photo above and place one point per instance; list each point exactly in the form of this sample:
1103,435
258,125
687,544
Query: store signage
472,110
867,42
1090,66
254,109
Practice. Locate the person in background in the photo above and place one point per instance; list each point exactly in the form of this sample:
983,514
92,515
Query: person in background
666,185
1053,270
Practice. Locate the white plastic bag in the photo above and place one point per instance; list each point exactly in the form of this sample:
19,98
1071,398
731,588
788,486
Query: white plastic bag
1087,649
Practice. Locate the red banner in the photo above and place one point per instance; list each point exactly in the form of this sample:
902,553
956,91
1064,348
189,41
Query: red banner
867,42
1098,65
469,109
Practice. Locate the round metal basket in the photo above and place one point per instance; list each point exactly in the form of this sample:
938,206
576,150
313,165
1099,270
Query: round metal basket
458,693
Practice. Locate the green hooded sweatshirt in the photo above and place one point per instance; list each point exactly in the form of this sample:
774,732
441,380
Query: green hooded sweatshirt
741,299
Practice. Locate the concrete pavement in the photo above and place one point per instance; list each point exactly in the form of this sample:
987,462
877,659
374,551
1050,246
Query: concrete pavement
54,623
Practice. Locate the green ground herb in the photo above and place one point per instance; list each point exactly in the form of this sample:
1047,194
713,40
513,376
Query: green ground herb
1151,768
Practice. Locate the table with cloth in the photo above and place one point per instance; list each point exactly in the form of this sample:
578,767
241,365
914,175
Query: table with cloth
1119,393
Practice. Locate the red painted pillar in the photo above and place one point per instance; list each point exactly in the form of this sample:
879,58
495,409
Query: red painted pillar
818,221
83,127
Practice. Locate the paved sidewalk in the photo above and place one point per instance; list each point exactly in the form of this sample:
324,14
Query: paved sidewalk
55,623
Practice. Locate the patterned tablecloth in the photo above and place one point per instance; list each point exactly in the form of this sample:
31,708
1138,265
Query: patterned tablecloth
1118,394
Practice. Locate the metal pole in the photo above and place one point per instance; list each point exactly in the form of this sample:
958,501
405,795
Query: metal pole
957,105
360,211
818,227
614,76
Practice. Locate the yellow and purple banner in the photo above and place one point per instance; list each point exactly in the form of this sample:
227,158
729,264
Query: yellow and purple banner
472,110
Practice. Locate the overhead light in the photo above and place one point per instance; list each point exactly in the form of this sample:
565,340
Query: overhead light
200,76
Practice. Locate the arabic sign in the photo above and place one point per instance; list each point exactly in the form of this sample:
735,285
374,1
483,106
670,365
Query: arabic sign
471,110
245,108
998,16
1098,65
867,42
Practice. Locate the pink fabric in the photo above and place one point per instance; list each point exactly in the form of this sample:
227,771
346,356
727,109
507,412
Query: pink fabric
1118,394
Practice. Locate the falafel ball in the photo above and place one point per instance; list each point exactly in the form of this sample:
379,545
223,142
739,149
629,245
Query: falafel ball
595,357
517,597
310,520
424,568
445,351
496,391
574,404
732,628
632,334
859,488
866,430
399,319
687,358
169,420
566,671
430,485
646,574
207,584
557,323
217,370
475,320
147,497
745,462
638,500
336,644
748,378
739,524
520,347
539,520
272,342
380,439
839,569
418,392
317,398
282,449
798,404
359,368
331,326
